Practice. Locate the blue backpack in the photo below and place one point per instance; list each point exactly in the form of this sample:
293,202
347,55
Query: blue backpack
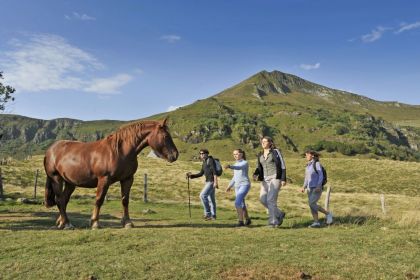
324,173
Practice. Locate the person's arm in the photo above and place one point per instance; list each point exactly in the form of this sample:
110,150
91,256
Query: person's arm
257,171
238,165
281,167
305,182
201,173
231,184
212,167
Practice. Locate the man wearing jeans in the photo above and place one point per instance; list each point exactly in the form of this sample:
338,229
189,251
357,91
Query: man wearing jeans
208,193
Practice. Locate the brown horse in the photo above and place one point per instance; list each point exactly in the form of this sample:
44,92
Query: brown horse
101,163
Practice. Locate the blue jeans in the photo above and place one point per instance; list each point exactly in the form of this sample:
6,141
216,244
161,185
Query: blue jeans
241,193
208,199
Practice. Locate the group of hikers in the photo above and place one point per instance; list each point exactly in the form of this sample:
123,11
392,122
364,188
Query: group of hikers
271,172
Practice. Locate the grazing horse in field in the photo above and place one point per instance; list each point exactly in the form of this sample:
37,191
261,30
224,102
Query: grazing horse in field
101,163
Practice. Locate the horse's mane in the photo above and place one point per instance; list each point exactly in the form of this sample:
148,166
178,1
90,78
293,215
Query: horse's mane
130,133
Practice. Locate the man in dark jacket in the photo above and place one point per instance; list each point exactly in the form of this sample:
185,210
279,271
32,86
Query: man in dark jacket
208,194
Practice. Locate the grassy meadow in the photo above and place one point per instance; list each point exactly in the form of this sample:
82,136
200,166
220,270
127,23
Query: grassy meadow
363,243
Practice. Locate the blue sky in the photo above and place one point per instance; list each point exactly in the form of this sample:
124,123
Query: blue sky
97,59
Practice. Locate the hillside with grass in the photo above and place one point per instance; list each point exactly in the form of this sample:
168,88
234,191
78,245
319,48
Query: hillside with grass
297,113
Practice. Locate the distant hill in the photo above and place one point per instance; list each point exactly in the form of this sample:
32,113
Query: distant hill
297,113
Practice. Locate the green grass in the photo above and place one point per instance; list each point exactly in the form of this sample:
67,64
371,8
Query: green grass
168,245
363,243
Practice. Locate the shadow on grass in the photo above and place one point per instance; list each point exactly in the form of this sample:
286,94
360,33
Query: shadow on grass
339,220
26,220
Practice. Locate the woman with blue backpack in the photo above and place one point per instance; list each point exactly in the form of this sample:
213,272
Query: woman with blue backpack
313,184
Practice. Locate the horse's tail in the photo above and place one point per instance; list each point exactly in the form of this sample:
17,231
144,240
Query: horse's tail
49,196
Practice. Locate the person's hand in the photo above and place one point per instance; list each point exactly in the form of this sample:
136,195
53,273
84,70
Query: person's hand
228,189
227,166
188,175
255,177
283,183
318,189
216,185
302,190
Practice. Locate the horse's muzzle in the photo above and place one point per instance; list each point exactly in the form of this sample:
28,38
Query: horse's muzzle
173,156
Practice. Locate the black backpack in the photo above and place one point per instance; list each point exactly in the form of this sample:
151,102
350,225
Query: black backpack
219,169
324,173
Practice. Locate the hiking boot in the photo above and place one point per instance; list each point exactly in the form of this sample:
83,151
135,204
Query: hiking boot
329,218
281,218
315,225
248,222
240,224
210,218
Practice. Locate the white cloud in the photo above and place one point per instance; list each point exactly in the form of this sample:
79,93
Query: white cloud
310,67
374,35
138,71
406,27
172,108
170,38
48,62
77,16
108,85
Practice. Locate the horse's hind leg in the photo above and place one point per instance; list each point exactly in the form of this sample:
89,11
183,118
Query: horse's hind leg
57,185
68,190
101,190
125,196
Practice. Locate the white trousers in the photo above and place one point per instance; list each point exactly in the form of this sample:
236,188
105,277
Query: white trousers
269,193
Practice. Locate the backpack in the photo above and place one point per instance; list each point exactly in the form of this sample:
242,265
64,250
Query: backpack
324,173
219,169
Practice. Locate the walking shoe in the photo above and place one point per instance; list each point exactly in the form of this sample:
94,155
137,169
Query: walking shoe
248,221
329,218
315,225
281,217
240,224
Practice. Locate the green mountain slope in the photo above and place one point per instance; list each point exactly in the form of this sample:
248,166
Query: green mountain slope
297,113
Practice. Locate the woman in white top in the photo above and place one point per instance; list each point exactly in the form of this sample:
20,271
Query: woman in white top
242,185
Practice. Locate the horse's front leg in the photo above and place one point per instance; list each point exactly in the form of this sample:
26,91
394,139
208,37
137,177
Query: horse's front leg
125,196
101,190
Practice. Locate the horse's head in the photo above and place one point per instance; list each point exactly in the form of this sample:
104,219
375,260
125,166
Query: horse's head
161,142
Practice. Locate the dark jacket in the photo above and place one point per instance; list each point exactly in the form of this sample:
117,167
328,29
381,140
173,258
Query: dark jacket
280,166
207,169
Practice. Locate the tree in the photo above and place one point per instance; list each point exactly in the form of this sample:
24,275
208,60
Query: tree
5,94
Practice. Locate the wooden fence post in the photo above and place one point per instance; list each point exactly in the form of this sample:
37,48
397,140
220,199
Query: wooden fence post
1,185
145,188
383,204
327,199
36,182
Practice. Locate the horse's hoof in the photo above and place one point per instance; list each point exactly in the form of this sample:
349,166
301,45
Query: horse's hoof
61,226
68,227
129,225
95,225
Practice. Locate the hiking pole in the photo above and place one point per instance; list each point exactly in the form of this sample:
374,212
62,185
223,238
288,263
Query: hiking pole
189,197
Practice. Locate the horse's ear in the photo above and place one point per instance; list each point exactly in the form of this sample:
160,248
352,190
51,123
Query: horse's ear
163,123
